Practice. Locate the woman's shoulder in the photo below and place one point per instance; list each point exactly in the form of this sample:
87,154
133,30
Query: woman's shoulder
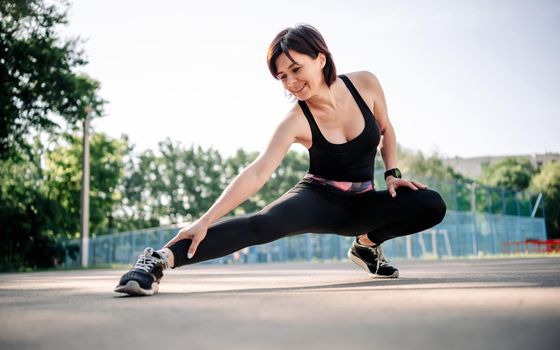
295,118
363,79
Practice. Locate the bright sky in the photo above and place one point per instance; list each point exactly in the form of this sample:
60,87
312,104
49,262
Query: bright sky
465,78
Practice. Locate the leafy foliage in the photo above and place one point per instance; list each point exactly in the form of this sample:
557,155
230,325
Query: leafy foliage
40,196
512,173
37,73
547,181
416,165
177,184
40,181
27,216
63,176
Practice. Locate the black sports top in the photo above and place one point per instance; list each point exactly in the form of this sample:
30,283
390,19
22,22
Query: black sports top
350,161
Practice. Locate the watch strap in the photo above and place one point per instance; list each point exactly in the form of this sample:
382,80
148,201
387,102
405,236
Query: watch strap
393,172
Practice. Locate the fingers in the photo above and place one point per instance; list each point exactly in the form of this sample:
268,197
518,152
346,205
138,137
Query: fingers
419,185
184,234
411,185
192,248
391,189
414,185
179,236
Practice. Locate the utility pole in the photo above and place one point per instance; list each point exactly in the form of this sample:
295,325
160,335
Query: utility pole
85,193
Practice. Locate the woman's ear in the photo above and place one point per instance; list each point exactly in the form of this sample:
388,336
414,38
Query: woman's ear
322,59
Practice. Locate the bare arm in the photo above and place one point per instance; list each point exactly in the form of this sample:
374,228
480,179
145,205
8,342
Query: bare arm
388,143
254,176
245,184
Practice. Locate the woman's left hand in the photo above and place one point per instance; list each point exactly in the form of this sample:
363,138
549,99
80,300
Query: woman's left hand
393,183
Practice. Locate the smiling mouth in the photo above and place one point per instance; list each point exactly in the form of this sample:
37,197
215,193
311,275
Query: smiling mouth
299,90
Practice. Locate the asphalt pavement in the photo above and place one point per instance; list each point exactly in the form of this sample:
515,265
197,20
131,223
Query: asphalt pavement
441,304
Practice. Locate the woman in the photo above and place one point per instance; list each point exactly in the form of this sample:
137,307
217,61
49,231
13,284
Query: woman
341,120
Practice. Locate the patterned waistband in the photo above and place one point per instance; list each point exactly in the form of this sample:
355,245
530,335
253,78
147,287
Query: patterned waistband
346,186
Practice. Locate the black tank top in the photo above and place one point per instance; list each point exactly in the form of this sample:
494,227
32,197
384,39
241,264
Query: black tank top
350,161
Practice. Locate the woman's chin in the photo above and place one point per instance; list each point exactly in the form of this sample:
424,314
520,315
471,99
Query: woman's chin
302,96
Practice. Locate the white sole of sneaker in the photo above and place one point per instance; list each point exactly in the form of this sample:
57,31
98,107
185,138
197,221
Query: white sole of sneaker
363,265
133,288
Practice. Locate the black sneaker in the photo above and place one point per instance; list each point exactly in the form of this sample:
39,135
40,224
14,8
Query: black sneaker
372,260
143,278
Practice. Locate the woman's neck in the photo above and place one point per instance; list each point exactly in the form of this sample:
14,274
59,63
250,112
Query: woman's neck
326,99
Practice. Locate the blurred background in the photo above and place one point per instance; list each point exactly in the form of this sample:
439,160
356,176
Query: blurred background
176,99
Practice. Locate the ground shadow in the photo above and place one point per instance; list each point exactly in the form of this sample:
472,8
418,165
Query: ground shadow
444,283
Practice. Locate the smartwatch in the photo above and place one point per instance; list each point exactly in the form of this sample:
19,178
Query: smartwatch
394,172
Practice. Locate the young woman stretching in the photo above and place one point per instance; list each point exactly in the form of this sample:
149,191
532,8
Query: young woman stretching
341,120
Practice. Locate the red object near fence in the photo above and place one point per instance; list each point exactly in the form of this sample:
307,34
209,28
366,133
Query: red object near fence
533,246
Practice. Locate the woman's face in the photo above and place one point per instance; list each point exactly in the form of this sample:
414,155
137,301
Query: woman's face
302,78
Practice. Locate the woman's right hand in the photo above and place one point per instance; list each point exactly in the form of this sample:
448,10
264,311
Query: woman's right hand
195,231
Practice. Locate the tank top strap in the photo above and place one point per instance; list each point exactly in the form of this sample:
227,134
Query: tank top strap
315,132
359,100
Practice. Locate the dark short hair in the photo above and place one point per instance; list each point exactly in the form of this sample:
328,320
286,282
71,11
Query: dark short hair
306,40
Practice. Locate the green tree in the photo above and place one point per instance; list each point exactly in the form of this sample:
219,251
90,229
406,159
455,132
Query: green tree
173,185
431,170
37,73
27,216
39,85
63,176
415,165
40,197
547,181
231,168
512,173
177,184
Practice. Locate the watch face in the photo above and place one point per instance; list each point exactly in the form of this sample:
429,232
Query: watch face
394,172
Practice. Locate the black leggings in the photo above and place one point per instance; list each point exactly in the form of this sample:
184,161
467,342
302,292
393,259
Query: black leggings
316,208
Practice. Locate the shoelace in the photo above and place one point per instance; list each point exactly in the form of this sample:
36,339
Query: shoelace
381,259
146,261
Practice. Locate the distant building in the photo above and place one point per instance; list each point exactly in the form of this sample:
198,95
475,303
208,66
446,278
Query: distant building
472,167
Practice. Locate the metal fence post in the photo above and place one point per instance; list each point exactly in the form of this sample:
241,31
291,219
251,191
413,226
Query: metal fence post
518,217
132,246
111,236
338,247
491,218
408,243
434,243
473,215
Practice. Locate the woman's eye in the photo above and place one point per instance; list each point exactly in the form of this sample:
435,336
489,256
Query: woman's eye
296,69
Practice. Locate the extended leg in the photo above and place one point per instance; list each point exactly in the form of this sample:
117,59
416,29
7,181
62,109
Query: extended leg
298,211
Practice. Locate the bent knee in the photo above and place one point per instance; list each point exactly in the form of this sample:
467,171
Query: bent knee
436,206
